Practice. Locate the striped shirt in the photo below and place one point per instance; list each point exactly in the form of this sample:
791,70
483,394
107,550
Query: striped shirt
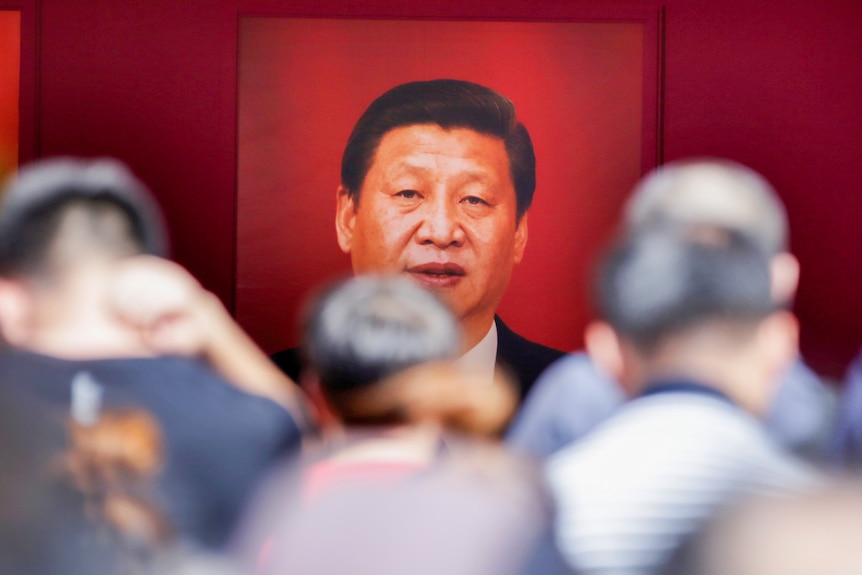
631,491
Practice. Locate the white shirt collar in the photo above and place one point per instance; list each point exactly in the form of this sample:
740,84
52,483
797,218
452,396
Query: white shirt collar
483,355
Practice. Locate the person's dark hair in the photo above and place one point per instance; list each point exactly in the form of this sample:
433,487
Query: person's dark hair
659,281
448,104
368,328
98,204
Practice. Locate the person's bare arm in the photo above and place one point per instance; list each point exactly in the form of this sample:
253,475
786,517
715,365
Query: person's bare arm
177,316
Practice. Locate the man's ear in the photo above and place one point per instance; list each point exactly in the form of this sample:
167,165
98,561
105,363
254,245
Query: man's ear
520,238
345,218
321,410
604,348
778,341
783,277
15,311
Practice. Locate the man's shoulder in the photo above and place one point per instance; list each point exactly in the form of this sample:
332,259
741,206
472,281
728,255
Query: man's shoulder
684,431
164,385
569,399
527,359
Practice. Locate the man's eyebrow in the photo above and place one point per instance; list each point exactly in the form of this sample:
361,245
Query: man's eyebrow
405,167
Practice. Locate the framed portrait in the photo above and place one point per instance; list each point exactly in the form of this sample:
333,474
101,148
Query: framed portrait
587,89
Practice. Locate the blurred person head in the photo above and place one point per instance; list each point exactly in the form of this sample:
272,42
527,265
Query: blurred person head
693,301
723,193
436,180
379,346
812,533
399,495
63,224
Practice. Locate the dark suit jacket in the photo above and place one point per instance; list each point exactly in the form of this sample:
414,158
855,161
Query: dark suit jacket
524,359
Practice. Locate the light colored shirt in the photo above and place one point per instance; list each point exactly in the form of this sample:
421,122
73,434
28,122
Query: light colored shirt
482,357
573,396
632,490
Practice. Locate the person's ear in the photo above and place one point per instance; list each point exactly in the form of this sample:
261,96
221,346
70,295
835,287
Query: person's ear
15,312
345,218
520,238
783,277
604,348
778,341
321,410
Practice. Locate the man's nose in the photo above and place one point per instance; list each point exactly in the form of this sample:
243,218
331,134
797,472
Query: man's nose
441,225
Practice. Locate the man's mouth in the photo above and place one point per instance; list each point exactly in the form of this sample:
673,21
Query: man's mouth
437,275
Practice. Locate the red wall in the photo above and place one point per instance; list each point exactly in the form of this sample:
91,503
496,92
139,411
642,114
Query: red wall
774,84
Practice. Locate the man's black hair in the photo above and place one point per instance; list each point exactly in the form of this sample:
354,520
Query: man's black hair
36,203
448,104
370,327
659,281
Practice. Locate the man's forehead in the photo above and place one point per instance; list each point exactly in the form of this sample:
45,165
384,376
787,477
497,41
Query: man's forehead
422,147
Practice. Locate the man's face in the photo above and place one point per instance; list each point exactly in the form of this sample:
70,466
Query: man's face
440,206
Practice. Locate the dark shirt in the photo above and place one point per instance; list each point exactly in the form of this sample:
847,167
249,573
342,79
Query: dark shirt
218,441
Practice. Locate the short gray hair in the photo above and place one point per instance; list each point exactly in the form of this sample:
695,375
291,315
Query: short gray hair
713,192
370,327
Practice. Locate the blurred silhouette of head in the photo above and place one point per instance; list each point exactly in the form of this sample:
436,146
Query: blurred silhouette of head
717,192
370,328
57,212
692,302
721,193
662,281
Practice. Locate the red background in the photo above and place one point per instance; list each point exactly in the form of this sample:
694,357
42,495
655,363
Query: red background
10,72
774,84
303,84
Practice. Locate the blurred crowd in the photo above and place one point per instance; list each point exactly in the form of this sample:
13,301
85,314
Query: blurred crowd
142,431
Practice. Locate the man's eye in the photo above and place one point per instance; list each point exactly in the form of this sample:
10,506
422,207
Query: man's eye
475,201
408,194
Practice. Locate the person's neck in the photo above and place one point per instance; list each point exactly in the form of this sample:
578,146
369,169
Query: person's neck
74,321
475,329
408,443
719,369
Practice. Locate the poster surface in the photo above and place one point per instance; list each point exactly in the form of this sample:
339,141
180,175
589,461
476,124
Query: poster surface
577,86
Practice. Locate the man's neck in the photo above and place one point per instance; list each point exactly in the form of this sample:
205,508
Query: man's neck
475,330
483,355
720,372
74,322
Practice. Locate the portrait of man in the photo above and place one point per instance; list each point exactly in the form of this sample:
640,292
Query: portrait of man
323,194
436,181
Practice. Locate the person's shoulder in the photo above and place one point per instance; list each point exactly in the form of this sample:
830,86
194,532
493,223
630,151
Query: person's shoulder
568,400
